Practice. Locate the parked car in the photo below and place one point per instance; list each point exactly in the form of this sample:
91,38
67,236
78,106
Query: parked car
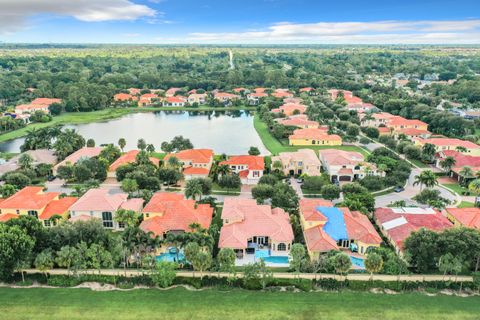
399,189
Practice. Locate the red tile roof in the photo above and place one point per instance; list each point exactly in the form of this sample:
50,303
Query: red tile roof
399,223
450,142
196,171
307,89
252,162
101,200
29,198
359,227
177,213
129,157
290,108
314,134
194,155
461,160
412,132
123,97
7,216
400,121
308,208
318,240
469,217
59,207
175,99
251,219
282,94
46,101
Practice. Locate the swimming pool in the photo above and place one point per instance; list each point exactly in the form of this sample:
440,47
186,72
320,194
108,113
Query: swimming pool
262,253
276,259
171,257
357,262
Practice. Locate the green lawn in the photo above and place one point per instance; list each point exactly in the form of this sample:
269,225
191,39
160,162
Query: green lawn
418,163
466,204
275,146
179,303
457,188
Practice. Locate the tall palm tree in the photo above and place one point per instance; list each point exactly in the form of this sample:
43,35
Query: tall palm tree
448,163
466,173
122,143
193,188
474,186
223,169
173,162
426,178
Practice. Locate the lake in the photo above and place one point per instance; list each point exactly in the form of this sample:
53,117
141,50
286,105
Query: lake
229,132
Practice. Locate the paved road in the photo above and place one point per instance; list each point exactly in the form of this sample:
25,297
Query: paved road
410,192
279,275
296,186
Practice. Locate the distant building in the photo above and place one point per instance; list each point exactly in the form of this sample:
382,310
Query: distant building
317,136
249,168
303,161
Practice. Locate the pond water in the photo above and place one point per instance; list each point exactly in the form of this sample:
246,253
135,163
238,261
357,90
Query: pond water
225,132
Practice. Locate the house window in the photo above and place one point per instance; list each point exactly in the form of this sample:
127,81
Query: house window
18,211
33,213
46,223
281,247
121,225
107,219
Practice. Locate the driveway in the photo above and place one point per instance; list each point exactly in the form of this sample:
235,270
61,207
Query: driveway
296,186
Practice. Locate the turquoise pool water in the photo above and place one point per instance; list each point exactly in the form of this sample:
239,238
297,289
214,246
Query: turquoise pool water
264,254
358,262
171,257
276,259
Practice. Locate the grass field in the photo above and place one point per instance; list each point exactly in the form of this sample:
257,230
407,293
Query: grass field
179,303
458,188
275,146
466,204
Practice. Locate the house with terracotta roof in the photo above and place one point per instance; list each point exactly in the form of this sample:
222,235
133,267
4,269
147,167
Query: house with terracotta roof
83,153
249,168
314,136
254,98
31,201
300,121
124,97
60,207
467,217
302,161
31,108
293,100
174,101
376,119
240,90
254,231
147,99
289,109
225,98
306,90
196,163
412,133
360,107
199,98
461,161
398,123
344,165
259,89
38,156
282,93
443,144
397,224
171,92
327,228
127,158
46,101
134,91
171,212
102,205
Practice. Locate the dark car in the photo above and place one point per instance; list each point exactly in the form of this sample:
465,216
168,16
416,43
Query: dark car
399,189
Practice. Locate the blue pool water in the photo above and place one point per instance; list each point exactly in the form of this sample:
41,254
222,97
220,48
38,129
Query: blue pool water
262,253
276,259
358,262
171,257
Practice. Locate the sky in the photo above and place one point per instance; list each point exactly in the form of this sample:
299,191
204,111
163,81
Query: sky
241,21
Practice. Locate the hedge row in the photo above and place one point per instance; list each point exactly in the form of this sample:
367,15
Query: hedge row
225,283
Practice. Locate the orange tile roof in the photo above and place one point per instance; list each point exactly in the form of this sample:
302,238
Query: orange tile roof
29,198
412,131
148,96
177,213
297,122
194,155
59,207
28,107
46,101
8,216
123,97
308,208
317,240
450,142
469,217
85,152
290,108
314,133
172,91
129,157
307,89
359,227
196,171
259,89
258,94
177,99
101,200
400,121
282,94
252,162
253,220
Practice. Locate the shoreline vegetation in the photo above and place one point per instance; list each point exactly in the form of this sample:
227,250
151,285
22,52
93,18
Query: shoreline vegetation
105,115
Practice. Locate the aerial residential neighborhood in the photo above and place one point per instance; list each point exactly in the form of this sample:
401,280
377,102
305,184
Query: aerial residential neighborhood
239,160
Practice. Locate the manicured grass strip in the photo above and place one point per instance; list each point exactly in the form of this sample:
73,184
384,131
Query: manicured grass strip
179,303
275,146
458,188
466,204
418,163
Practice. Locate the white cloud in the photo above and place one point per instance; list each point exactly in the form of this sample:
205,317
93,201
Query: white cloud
14,13
409,32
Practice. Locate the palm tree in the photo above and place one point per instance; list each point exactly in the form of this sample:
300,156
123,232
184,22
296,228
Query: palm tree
426,178
448,163
428,151
223,169
474,186
128,218
193,188
277,165
122,143
150,148
466,173
25,161
173,162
